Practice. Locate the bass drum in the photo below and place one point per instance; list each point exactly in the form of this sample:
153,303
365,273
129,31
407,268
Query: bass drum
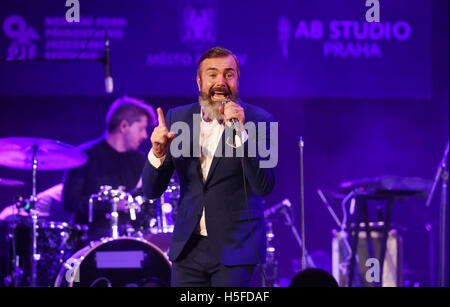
121,262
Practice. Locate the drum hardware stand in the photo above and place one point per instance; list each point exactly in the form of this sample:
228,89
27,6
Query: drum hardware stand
34,217
133,207
107,193
52,156
161,215
361,221
441,174
15,279
34,214
347,249
429,227
115,218
91,208
271,265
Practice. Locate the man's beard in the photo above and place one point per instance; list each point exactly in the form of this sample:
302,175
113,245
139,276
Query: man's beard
212,108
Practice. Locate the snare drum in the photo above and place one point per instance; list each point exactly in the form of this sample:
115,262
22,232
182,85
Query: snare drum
121,262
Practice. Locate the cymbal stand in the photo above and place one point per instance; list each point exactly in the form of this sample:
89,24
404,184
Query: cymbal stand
34,217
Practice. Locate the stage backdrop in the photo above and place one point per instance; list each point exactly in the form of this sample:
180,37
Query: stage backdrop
287,48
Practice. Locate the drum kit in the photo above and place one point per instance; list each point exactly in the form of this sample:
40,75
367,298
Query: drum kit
50,253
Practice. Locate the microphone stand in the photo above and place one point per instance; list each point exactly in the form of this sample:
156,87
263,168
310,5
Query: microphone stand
441,174
306,259
301,144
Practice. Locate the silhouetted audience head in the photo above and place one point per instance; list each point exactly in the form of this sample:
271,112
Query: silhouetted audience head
313,278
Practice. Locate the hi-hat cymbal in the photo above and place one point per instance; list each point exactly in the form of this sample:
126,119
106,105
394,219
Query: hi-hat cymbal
17,152
10,182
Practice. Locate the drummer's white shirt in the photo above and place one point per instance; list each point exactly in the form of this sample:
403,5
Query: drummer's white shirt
210,135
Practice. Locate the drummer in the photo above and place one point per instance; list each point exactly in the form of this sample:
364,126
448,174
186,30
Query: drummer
113,160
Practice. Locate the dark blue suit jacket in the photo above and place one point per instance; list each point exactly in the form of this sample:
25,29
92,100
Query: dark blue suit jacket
222,194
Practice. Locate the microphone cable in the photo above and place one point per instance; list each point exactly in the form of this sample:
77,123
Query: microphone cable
250,224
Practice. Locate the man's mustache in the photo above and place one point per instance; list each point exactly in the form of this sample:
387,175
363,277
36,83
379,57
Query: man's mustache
206,96
219,90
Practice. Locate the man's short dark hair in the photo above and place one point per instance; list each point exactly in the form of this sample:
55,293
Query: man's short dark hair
129,109
217,52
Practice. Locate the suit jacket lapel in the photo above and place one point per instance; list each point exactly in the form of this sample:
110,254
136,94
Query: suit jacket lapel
194,139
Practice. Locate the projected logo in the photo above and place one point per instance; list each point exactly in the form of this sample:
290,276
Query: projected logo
284,34
198,27
22,46
343,38
198,31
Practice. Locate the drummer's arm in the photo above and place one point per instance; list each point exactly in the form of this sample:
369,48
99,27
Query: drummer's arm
74,197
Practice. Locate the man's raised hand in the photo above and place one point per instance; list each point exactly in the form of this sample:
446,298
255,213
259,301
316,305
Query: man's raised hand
161,137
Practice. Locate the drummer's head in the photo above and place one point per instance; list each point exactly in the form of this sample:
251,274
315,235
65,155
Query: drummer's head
127,119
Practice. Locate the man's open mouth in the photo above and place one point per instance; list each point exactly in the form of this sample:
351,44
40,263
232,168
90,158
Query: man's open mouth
219,94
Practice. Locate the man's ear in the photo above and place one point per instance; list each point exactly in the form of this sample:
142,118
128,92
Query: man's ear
199,82
123,124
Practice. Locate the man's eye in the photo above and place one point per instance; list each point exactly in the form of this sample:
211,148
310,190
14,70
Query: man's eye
229,76
212,75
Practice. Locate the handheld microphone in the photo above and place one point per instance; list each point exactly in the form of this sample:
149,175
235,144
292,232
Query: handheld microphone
234,126
109,83
234,121
277,207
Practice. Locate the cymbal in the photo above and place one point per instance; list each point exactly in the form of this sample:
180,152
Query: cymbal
17,152
10,182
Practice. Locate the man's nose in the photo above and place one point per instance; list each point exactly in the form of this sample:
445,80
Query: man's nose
221,81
